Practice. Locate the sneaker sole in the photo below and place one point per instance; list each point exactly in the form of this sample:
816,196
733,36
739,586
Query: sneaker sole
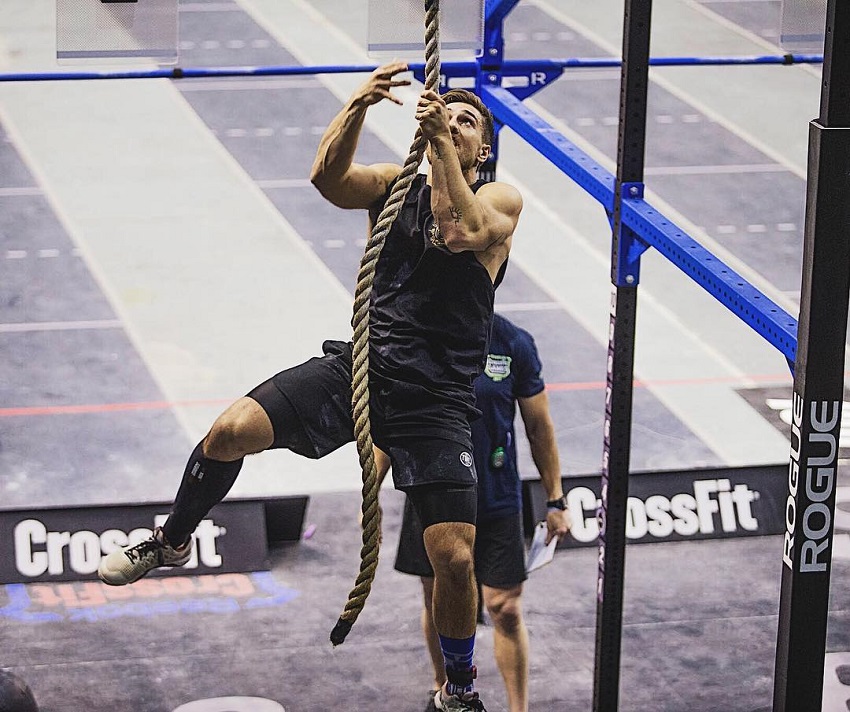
120,583
139,578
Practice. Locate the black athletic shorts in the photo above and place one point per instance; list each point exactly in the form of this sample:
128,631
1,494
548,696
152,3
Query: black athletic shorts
309,405
310,410
499,550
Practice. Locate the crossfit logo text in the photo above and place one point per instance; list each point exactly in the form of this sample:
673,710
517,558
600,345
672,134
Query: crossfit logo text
714,503
39,551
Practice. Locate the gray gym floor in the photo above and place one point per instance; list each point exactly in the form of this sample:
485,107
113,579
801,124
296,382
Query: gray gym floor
162,252
699,634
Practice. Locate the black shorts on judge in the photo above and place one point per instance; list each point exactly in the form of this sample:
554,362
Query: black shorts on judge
309,407
499,549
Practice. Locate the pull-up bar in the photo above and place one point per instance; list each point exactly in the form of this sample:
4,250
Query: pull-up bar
509,68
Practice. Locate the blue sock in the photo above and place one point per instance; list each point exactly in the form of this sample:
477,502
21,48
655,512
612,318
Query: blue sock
460,672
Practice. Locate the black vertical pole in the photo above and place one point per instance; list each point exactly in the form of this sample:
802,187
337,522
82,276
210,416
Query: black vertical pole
621,341
818,386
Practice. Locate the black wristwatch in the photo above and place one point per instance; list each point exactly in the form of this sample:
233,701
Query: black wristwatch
560,503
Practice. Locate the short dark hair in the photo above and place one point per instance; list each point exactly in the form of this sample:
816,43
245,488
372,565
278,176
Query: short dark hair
465,96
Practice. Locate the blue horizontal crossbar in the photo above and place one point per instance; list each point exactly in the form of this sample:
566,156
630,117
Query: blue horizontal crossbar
767,318
522,66
509,67
190,73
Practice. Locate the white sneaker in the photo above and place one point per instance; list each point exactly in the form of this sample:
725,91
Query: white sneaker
129,564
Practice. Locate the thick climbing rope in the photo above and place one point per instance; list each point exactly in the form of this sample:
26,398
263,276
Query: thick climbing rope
360,369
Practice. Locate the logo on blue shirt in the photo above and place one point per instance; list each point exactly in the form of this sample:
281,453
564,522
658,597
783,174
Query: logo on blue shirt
498,367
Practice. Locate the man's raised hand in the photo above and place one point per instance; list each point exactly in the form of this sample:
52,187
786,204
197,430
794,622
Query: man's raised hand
381,82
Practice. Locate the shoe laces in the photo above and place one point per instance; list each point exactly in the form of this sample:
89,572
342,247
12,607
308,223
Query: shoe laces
144,550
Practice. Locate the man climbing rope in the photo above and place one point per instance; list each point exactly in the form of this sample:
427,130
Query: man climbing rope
429,317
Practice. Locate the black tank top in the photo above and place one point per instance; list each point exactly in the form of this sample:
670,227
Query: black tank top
430,317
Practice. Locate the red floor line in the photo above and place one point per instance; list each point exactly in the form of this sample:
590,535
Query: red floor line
25,411
777,378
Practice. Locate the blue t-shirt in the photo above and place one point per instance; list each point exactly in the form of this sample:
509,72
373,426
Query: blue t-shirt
513,370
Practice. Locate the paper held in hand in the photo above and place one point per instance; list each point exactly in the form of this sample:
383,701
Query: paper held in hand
539,552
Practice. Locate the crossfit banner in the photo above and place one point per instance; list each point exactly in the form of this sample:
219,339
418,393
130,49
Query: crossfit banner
66,544
675,505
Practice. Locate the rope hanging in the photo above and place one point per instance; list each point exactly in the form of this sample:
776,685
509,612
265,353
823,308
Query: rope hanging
360,369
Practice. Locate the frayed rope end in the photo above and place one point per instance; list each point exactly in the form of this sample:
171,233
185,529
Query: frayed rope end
340,631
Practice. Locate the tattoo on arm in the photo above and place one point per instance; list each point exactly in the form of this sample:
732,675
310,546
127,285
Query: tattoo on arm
456,214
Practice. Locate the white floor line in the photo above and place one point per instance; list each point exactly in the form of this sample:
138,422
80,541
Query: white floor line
23,191
60,326
715,170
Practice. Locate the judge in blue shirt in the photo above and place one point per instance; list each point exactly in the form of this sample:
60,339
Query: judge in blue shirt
512,376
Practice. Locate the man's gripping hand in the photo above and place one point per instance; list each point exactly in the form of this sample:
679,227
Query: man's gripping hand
432,115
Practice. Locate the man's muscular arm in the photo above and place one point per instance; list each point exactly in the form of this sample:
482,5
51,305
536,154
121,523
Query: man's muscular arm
476,221
343,182
466,220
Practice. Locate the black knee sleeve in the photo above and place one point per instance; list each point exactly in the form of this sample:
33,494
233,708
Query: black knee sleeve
205,483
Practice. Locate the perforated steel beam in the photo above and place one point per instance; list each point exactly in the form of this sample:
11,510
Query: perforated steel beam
726,285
